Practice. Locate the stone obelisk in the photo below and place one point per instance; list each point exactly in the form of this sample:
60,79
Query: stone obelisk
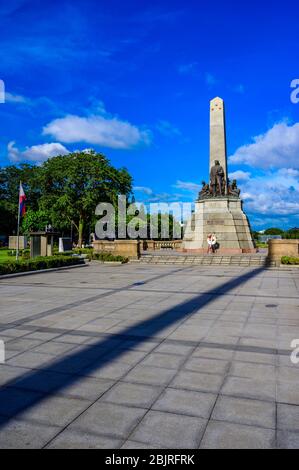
215,212
218,134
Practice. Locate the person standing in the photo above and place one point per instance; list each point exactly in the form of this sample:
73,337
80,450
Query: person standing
214,243
210,244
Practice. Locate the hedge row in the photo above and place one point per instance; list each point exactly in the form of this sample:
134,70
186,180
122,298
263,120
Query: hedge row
36,264
109,257
91,255
290,261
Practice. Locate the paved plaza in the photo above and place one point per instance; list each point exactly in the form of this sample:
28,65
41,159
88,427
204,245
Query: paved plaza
138,356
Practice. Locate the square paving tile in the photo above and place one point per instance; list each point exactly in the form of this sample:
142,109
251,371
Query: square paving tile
141,396
167,361
17,434
172,348
170,431
288,417
287,440
249,388
221,435
214,353
149,375
112,371
253,371
197,381
31,360
55,410
242,411
22,344
288,393
109,419
79,440
186,402
12,401
212,366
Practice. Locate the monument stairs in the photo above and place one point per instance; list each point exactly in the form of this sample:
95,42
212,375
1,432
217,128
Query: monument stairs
181,259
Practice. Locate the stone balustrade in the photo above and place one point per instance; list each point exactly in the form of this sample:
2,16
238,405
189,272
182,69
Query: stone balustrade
152,245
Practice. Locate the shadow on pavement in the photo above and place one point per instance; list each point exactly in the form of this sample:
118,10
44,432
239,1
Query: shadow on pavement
59,374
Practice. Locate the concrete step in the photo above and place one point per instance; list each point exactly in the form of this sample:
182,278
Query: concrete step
200,260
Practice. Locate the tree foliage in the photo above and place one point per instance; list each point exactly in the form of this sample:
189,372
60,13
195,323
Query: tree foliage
62,191
274,231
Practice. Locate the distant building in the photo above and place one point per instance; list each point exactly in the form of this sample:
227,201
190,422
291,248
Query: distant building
266,238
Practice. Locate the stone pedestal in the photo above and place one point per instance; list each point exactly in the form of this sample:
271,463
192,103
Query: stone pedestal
41,244
225,218
280,248
13,243
127,248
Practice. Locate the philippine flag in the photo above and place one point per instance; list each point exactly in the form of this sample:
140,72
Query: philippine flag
22,199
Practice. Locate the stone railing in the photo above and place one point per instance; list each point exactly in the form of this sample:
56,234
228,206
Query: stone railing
172,245
280,248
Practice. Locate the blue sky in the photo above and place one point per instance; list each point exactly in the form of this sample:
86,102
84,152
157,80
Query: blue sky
134,79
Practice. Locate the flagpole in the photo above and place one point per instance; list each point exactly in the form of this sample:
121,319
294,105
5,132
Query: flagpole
18,232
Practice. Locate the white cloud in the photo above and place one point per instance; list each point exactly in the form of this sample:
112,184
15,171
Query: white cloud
2,92
151,197
17,99
36,153
167,129
193,187
277,148
97,129
275,193
258,222
239,175
288,172
142,189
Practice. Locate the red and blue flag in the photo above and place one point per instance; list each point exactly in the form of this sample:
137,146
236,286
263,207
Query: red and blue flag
22,201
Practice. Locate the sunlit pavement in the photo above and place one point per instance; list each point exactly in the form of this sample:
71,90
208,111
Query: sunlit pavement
150,357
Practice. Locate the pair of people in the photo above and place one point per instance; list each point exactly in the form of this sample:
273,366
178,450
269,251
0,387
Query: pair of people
212,243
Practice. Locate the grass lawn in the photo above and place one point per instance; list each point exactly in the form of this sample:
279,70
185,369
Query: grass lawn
4,256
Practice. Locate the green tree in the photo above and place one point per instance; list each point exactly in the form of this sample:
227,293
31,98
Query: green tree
292,234
256,235
274,231
35,220
73,185
10,178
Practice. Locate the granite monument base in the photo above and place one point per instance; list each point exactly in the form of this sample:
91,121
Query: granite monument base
224,217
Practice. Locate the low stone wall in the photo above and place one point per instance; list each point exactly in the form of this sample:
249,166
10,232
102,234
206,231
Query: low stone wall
280,248
127,248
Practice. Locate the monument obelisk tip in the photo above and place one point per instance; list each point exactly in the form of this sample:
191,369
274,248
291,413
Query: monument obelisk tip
218,134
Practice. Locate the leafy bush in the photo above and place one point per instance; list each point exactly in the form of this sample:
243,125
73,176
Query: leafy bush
36,264
261,245
25,254
109,257
91,255
65,253
290,260
83,251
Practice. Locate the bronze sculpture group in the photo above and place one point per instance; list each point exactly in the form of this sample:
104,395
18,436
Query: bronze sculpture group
218,186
